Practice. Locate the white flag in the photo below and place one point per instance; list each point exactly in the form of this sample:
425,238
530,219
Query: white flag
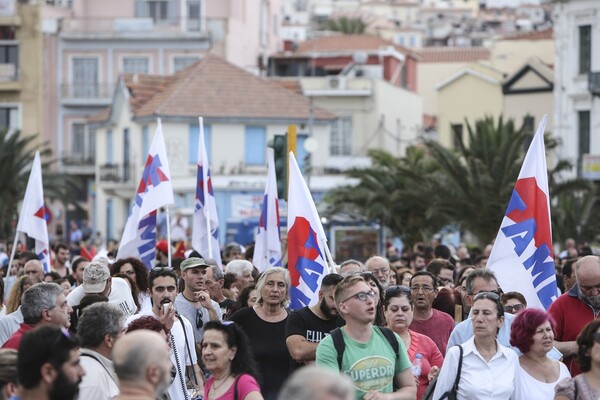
522,254
154,191
267,249
32,220
205,231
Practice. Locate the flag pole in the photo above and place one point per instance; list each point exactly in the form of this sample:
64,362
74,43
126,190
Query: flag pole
12,253
205,208
328,256
168,235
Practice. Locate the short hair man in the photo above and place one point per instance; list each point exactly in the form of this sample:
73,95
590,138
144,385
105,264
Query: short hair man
427,320
232,251
77,267
380,268
10,323
355,301
568,274
97,279
575,308
417,262
99,328
307,326
315,383
42,304
214,280
48,365
349,266
243,272
141,360
194,302
162,288
443,271
61,260
35,268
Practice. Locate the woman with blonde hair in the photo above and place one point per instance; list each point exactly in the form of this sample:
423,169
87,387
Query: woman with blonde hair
265,323
21,285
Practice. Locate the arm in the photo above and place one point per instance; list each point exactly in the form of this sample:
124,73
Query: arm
205,301
566,348
253,396
195,370
300,349
327,355
407,391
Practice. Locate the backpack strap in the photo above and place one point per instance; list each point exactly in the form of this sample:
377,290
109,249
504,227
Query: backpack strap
338,343
460,361
389,335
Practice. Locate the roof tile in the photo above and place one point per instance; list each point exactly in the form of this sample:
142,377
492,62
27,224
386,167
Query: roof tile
453,54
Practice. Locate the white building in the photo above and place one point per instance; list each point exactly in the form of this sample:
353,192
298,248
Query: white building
577,84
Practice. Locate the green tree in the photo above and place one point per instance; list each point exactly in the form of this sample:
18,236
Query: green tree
16,158
346,25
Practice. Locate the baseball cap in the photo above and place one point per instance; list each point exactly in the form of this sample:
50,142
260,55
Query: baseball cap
95,275
193,262
163,246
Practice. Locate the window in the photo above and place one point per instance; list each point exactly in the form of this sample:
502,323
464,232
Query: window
78,140
584,136
341,137
126,156
109,147
136,65
85,77
255,145
585,48
182,62
9,61
9,118
457,135
193,16
83,144
194,141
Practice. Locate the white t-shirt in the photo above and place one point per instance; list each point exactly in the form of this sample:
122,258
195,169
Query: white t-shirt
120,294
176,388
527,384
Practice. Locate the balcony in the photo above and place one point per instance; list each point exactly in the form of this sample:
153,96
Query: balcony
115,173
86,93
9,78
78,163
594,83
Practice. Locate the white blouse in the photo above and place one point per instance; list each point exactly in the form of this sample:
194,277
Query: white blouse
479,379
527,385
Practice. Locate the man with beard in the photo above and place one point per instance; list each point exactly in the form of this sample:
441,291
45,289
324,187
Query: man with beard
61,260
162,288
574,309
307,326
141,360
48,365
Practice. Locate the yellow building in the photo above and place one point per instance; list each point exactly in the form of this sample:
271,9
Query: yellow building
473,92
21,68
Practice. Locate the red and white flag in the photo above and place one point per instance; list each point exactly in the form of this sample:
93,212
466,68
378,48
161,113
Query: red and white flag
205,229
522,256
267,248
32,220
154,191
307,244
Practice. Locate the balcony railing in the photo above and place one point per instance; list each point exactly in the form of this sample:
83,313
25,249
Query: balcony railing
89,91
79,158
117,173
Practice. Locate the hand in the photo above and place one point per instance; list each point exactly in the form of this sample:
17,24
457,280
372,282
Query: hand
167,319
203,297
373,395
433,373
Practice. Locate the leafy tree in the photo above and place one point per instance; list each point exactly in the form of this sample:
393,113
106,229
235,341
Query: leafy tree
16,158
346,25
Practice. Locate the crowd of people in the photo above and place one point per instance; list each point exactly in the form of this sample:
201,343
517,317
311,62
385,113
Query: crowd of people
424,324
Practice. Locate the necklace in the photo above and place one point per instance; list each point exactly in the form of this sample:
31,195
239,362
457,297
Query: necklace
216,387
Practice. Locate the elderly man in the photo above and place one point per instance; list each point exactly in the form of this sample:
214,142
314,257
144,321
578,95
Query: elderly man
574,309
97,279
48,365
243,272
214,280
99,328
380,268
349,266
35,268
141,360
42,304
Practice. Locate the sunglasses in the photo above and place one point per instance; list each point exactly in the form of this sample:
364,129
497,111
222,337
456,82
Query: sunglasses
515,307
199,321
395,290
487,295
362,296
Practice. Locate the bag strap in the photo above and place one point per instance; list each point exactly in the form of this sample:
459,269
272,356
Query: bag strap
235,388
460,361
340,346
389,335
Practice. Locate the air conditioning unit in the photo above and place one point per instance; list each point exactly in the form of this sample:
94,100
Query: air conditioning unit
337,82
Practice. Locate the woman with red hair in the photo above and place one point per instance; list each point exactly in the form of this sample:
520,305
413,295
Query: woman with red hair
532,333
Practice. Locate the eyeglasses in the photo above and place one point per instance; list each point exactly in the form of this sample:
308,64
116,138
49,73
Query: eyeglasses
515,307
395,290
199,321
425,289
487,295
362,296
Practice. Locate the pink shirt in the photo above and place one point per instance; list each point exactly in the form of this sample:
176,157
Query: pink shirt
431,356
245,385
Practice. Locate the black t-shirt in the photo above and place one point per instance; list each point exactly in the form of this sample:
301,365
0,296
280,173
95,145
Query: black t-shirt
226,306
305,323
267,340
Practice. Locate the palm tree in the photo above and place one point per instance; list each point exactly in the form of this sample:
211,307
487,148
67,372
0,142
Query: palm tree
346,25
16,158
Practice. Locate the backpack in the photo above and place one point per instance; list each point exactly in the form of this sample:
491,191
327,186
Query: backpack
340,346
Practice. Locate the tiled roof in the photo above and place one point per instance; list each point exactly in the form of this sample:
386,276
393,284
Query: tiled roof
340,43
214,88
453,54
547,34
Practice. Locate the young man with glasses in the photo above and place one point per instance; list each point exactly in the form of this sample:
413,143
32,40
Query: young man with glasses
428,321
194,302
368,359
162,288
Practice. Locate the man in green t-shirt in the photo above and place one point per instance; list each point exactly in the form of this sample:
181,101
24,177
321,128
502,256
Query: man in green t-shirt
369,359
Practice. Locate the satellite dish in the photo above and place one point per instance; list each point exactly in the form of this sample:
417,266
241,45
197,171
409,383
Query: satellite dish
311,144
360,58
